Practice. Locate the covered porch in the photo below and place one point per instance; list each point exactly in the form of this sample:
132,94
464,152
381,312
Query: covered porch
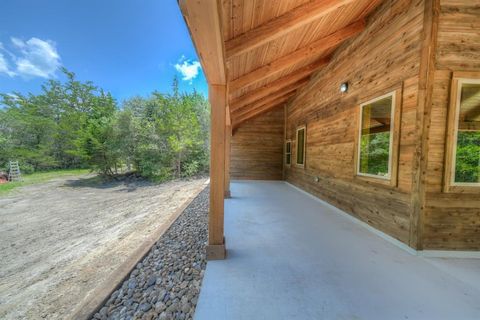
293,256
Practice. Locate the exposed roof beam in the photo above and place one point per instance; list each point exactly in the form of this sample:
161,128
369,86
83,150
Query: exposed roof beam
204,24
281,93
267,71
259,109
258,112
301,73
274,88
277,27
307,52
268,88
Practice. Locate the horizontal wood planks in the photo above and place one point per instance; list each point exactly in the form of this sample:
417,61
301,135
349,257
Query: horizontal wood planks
410,46
383,58
452,220
257,148
243,17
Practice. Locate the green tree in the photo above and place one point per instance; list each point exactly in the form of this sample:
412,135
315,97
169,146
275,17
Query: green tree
375,149
467,162
74,124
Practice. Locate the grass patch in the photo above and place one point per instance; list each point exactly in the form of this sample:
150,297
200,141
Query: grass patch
39,177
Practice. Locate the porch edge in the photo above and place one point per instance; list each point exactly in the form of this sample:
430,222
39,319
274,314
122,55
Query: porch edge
392,240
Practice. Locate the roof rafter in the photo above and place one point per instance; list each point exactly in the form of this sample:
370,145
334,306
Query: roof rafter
260,108
270,87
267,71
277,27
275,88
307,52
287,90
261,105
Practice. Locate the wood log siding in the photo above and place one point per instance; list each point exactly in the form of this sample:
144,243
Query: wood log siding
383,58
452,220
414,46
257,148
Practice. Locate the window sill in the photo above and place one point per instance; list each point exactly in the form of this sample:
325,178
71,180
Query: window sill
461,189
374,180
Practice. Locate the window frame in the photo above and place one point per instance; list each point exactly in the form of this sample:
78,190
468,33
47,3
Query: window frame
299,128
450,185
391,179
288,141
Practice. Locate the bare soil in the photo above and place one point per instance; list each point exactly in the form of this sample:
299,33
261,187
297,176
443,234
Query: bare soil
60,240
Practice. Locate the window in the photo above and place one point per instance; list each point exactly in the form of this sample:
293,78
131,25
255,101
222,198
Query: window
463,158
288,152
301,146
378,138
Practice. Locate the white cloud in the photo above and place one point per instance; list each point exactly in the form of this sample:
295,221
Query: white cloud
38,58
4,66
188,69
32,58
17,42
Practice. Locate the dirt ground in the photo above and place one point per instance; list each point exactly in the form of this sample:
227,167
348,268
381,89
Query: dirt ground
59,240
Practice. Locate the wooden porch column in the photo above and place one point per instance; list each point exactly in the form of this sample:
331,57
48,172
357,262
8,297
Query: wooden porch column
422,122
216,242
228,138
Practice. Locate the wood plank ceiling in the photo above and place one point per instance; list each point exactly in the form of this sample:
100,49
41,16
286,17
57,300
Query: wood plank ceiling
273,47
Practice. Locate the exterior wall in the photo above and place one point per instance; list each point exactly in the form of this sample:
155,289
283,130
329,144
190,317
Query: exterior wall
452,220
383,58
257,148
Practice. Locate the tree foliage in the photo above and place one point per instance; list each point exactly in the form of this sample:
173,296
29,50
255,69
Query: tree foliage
374,153
75,124
467,163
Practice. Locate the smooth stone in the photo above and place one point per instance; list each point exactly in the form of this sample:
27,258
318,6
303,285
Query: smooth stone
145,307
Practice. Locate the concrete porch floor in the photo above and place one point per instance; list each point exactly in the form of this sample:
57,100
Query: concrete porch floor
291,256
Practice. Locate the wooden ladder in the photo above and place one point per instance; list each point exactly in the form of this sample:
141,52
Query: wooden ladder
14,173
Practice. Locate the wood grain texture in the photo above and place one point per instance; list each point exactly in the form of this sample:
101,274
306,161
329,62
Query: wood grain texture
458,36
452,219
273,68
414,46
205,27
245,15
383,58
280,26
275,86
257,148
422,122
260,109
249,103
218,100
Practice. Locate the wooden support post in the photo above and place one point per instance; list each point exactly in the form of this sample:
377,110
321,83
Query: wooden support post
216,242
228,138
422,123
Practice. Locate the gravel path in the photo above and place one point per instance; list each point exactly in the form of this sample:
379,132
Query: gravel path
166,283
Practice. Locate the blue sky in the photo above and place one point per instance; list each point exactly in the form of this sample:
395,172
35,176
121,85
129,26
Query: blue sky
127,47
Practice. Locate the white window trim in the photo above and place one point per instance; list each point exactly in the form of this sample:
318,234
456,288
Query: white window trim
461,81
304,127
388,177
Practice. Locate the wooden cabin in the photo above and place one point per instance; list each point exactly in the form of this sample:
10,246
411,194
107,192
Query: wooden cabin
370,105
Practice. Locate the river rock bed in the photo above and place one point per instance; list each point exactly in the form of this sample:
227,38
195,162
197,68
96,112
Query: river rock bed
166,283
